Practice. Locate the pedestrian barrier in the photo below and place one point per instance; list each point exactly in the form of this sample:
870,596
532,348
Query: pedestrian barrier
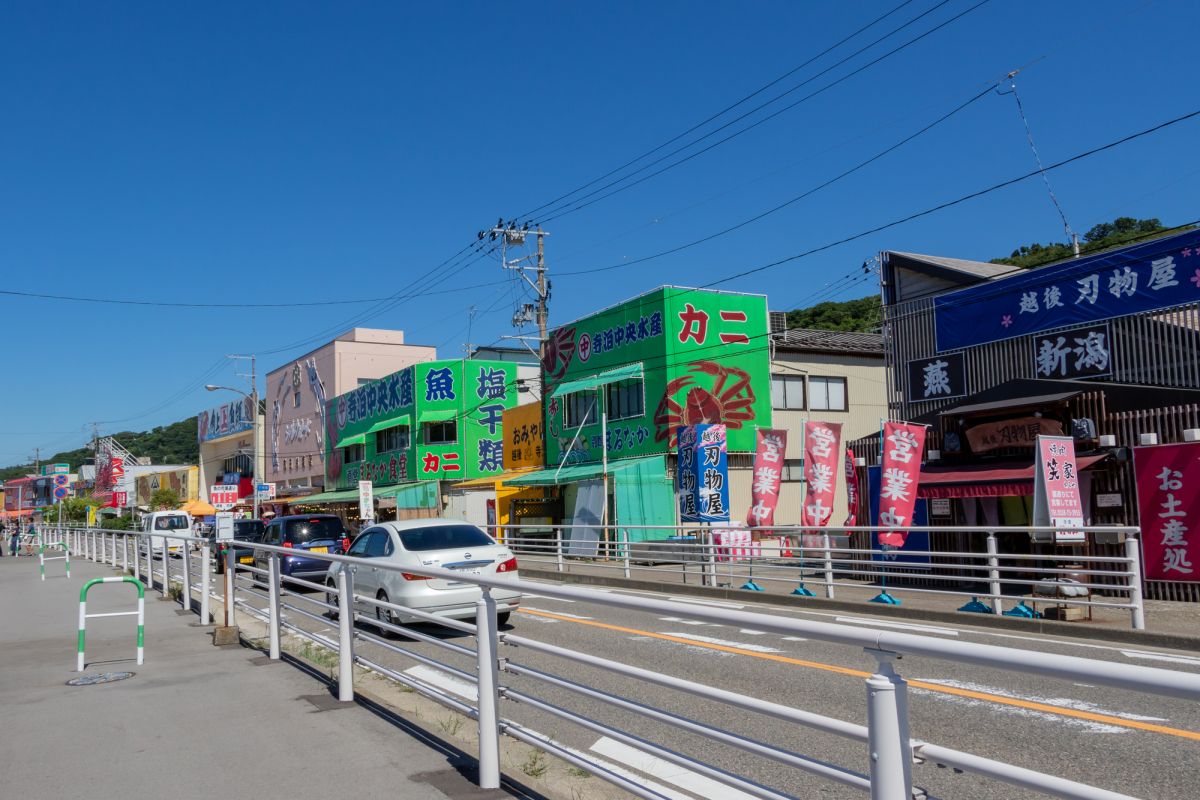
65,557
141,614
887,751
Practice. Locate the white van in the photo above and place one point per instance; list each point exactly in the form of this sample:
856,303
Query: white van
173,521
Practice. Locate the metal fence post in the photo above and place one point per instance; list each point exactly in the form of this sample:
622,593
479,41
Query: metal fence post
1138,612
166,565
273,601
888,743
205,577
112,549
558,547
625,549
710,558
230,565
186,597
124,552
828,565
994,573
345,585
487,670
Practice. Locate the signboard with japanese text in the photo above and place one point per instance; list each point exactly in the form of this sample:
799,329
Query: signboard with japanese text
120,499
1056,499
705,358
1156,274
525,441
227,419
703,473
116,468
914,541
851,489
768,473
56,469
822,450
1168,496
223,496
1079,353
937,378
1011,433
366,500
903,446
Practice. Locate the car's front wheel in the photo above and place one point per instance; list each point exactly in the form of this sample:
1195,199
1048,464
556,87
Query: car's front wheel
502,618
331,598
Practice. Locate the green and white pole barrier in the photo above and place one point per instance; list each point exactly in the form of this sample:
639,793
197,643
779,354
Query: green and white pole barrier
42,559
141,615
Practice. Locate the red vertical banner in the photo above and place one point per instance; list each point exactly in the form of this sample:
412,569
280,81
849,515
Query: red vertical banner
1168,493
851,489
903,445
768,472
822,447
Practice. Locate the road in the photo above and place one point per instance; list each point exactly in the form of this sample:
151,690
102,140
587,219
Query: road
1137,744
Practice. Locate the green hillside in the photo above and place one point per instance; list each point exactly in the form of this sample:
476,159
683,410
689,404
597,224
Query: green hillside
167,444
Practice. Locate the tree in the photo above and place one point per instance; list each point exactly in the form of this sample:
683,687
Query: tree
849,315
1103,236
164,499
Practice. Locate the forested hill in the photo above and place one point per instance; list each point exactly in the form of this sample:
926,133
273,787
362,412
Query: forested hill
168,444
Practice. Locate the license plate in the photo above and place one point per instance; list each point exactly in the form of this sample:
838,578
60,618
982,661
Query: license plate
246,559
468,570
318,549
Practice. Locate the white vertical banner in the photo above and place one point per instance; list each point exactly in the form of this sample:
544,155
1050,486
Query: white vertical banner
366,500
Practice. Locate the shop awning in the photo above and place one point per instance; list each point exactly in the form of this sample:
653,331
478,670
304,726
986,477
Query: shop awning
627,372
402,419
344,496
350,441
572,473
422,494
490,482
986,480
436,415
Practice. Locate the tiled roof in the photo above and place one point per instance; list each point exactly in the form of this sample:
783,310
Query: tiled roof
829,341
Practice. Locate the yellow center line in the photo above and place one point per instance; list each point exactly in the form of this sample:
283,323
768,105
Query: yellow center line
1106,719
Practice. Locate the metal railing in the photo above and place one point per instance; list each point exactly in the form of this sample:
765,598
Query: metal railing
888,748
791,558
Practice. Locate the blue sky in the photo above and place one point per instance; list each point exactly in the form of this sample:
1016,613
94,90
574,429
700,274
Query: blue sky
299,152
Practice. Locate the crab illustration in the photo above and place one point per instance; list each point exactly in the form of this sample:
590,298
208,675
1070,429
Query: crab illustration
731,400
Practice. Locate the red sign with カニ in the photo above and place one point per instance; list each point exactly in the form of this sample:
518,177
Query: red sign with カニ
1168,492
768,472
903,444
822,448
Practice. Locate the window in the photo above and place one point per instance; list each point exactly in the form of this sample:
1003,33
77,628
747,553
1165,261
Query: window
787,391
377,543
364,381
441,432
353,453
624,399
359,548
579,408
827,394
389,440
296,399
444,537
313,529
793,469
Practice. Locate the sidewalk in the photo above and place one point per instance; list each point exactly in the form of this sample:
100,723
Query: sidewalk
1167,624
195,721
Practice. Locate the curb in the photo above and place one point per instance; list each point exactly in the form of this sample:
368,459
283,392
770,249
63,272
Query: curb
1041,626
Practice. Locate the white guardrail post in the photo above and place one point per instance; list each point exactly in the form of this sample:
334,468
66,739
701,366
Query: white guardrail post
205,578
888,740
1138,612
273,587
186,597
558,547
487,671
993,550
828,565
625,549
345,586
230,583
124,552
166,554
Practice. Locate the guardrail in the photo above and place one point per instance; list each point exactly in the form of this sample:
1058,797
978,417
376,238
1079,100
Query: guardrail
889,748
794,557
140,613
43,558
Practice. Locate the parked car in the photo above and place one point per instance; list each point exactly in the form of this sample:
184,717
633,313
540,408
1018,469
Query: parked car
244,530
446,543
304,533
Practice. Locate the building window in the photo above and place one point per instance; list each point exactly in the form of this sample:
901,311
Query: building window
296,399
242,464
787,391
390,440
793,469
624,400
579,408
441,432
353,453
827,394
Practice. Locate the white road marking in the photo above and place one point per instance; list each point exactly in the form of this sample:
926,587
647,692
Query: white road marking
688,621
543,597
757,648
794,639
665,770
624,773
1064,702
444,681
718,603
557,613
752,632
1193,661
901,625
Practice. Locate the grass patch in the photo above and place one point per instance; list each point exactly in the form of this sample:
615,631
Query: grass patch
451,724
578,772
535,765
318,655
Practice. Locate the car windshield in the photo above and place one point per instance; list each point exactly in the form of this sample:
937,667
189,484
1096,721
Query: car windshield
170,523
313,529
444,537
248,530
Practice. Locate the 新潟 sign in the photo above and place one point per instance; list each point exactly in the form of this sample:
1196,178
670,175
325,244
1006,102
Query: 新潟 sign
1078,353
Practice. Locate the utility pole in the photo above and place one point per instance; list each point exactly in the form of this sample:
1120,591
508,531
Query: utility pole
37,460
512,235
543,294
254,430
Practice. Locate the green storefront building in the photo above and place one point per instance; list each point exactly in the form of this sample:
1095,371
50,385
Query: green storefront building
619,382
434,421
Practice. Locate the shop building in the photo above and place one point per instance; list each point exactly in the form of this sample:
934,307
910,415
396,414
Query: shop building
297,394
230,435
1102,348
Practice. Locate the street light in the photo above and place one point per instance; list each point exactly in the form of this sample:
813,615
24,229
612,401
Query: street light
253,434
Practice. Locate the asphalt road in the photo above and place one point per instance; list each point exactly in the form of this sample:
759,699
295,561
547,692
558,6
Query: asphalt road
1140,745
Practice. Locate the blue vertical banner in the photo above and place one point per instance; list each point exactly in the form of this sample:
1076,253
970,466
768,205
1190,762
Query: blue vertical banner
916,540
703,473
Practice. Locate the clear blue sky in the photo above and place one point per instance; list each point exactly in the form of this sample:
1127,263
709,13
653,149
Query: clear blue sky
297,152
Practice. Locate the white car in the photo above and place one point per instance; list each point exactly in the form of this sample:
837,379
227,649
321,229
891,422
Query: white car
445,543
